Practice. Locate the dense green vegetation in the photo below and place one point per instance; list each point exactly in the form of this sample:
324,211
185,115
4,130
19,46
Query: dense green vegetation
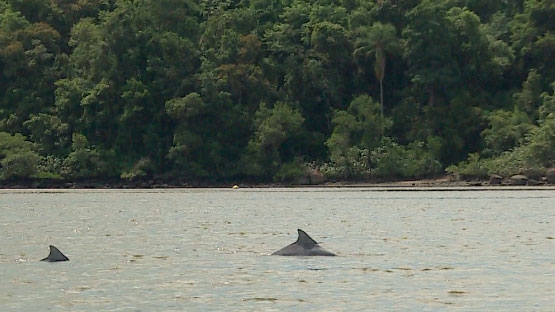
261,90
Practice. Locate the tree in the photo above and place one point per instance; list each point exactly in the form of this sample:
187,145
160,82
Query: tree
379,39
83,161
356,132
49,132
269,148
430,70
30,61
188,151
506,130
173,88
548,104
529,99
18,158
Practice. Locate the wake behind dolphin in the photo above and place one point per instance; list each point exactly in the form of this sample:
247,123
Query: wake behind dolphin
304,246
55,255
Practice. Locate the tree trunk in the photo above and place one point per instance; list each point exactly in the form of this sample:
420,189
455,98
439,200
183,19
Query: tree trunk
379,69
381,101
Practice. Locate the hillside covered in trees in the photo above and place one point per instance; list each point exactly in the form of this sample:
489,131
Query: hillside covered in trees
261,90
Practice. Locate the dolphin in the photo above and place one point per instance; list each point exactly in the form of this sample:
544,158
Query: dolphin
55,255
304,246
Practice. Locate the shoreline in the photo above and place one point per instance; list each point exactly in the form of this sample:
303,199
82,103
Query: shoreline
439,183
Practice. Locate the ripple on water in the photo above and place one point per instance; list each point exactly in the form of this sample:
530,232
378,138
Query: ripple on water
209,250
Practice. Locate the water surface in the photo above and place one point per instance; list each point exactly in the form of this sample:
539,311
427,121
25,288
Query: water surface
208,250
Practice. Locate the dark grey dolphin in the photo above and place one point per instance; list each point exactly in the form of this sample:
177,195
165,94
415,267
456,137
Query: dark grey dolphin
55,255
304,246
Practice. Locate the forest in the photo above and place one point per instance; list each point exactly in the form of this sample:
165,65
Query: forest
264,90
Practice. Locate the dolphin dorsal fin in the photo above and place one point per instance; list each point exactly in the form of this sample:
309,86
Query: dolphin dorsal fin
55,255
305,240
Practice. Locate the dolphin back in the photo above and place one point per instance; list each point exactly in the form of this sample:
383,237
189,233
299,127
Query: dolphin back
304,246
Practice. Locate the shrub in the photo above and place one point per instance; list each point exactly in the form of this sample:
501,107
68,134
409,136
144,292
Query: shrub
473,167
392,160
290,172
20,165
506,130
83,161
17,157
268,149
354,163
142,168
536,152
50,167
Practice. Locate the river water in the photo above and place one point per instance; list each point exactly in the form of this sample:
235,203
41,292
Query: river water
208,250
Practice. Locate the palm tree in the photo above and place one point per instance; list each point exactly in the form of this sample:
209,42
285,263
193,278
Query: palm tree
379,40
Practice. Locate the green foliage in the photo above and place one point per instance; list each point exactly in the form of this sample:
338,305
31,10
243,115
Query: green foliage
275,125
392,160
547,107
83,161
141,169
379,39
30,58
389,160
290,172
175,88
506,130
19,165
541,143
356,131
269,148
13,143
530,98
341,139
186,107
473,167
354,162
537,151
48,132
50,167
17,157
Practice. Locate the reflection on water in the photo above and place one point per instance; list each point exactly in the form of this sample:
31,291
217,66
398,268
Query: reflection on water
208,249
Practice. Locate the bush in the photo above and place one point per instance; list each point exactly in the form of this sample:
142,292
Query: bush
536,152
506,130
51,164
473,167
142,168
392,160
268,149
14,143
541,143
83,161
356,131
17,157
354,163
290,172
49,167
20,165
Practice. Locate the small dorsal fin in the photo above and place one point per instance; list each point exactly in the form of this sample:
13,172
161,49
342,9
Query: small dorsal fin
55,255
304,246
305,240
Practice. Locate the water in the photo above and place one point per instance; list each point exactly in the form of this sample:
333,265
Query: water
208,250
